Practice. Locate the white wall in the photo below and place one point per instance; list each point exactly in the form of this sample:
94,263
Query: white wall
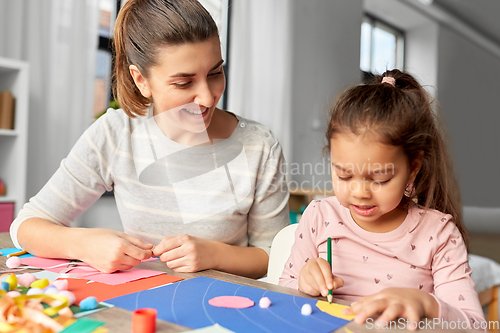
469,93
325,59
422,55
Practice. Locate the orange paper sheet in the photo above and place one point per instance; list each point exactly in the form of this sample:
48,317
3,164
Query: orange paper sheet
103,292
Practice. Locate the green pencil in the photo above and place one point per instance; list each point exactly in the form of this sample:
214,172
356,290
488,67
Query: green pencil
329,255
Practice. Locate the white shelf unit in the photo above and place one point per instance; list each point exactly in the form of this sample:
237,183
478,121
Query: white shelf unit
14,143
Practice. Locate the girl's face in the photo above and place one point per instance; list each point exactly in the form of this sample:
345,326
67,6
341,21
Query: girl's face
185,86
370,178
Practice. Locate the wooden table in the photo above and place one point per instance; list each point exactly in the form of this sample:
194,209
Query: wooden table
119,320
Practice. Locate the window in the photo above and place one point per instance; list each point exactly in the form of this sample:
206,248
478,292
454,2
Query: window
382,47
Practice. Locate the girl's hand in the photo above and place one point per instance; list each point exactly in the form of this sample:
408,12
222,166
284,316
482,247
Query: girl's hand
184,253
393,303
316,278
110,250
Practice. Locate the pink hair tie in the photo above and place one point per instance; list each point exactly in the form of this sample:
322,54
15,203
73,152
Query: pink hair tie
390,80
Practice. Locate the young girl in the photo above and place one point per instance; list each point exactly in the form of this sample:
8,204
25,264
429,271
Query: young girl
201,185
398,241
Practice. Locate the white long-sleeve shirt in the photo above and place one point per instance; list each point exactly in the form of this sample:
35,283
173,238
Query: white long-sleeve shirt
233,191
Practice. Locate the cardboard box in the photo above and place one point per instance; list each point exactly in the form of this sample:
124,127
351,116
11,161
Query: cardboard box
6,110
6,215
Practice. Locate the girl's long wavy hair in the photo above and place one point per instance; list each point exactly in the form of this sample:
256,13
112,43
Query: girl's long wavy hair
402,115
144,26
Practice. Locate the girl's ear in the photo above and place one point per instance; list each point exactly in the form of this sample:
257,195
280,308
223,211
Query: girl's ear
140,81
415,167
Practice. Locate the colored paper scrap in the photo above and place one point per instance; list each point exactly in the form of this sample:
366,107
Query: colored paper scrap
6,252
215,328
186,303
51,276
111,279
71,321
334,309
120,277
83,325
83,289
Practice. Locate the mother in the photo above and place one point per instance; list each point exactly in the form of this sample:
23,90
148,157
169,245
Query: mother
197,186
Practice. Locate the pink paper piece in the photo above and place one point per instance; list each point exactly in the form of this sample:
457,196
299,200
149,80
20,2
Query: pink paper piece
232,302
113,278
123,276
48,264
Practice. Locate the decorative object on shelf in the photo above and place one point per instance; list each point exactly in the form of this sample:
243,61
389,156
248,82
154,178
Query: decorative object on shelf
6,215
7,105
2,187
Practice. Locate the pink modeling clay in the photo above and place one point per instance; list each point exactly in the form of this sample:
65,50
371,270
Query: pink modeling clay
232,302
69,295
61,284
265,302
26,280
13,262
13,293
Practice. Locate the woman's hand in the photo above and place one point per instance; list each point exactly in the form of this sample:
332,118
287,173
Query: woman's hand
393,303
184,253
110,250
316,278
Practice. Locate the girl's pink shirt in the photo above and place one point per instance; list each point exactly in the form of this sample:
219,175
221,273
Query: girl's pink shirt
425,252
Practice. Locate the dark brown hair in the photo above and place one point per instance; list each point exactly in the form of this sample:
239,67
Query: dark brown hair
402,115
144,26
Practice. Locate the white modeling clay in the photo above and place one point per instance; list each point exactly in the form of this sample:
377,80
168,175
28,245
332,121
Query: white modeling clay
306,309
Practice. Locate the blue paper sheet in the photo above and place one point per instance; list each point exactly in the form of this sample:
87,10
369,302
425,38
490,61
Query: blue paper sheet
5,252
186,303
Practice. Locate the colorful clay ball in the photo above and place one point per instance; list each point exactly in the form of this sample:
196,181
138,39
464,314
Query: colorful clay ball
26,280
42,283
69,295
12,281
89,303
13,262
306,309
51,290
60,284
13,293
34,291
265,302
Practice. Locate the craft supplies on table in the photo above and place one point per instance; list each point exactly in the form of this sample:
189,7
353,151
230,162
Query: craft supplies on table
186,303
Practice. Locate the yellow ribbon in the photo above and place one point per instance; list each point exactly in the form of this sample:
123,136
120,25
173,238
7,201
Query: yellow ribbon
24,312
47,299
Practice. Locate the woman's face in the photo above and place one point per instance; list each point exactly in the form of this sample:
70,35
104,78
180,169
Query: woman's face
185,86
